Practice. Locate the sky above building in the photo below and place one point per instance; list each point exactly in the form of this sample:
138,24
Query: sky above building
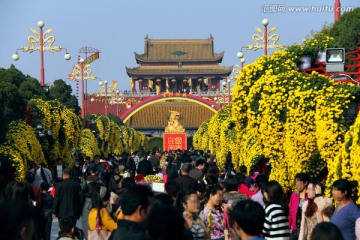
118,27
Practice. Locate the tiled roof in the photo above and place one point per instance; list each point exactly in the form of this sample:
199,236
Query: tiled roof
206,70
175,50
156,116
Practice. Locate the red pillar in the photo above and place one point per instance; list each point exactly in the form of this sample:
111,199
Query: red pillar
42,70
337,10
228,85
82,92
265,40
106,100
140,81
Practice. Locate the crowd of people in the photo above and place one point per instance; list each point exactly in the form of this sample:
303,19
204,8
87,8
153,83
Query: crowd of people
112,198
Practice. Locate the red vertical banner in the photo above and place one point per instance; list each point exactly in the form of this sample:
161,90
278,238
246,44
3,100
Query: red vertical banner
174,141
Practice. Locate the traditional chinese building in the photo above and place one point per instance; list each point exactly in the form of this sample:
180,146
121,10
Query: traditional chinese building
178,65
185,73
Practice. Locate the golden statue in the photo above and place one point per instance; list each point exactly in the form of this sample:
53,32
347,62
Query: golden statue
174,125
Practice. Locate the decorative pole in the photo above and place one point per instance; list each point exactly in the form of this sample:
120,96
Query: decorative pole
107,91
337,10
265,38
81,62
82,71
117,98
42,39
265,22
228,86
238,68
240,55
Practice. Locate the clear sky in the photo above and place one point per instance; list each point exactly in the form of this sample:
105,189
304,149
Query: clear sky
118,27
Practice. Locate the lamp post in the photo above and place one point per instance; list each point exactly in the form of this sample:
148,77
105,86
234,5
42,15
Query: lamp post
226,92
108,91
41,39
119,99
265,23
105,85
82,71
265,38
240,55
228,89
237,68
221,99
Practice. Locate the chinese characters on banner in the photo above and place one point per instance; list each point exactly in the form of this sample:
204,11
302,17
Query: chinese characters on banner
173,141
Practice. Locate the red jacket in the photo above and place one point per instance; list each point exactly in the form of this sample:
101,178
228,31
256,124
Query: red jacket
293,208
245,190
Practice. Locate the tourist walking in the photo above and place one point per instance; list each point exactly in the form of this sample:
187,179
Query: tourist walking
190,204
276,212
213,213
316,209
248,220
135,206
297,200
185,181
67,201
346,212
101,223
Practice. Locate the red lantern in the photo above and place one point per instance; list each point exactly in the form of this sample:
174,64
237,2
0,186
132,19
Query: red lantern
140,80
200,80
173,80
184,80
158,80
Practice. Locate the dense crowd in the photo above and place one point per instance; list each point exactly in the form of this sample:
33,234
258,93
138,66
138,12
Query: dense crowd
173,195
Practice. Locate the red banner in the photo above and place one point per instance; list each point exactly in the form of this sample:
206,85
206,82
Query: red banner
174,141
92,58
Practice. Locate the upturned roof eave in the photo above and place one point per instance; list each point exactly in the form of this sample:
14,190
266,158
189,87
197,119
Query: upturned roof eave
141,58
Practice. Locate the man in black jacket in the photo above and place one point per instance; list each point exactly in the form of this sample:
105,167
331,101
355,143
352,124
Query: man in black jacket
130,165
135,204
67,198
197,173
185,181
145,168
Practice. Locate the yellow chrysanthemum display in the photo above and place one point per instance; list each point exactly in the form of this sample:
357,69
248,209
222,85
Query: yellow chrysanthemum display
63,134
295,120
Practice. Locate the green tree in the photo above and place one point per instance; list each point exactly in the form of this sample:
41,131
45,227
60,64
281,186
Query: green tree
346,30
62,92
30,88
12,103
115,119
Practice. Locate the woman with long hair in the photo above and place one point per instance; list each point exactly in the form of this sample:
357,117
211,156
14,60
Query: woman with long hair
276,212
87,204
213,213
346,212
315,210
189,202
99,218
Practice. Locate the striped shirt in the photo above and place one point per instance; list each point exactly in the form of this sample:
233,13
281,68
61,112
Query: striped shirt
198,230
276,224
